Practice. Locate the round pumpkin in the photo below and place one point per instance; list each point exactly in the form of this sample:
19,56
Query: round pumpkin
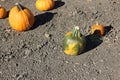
44,5
73,42
3,12
98,27
21,18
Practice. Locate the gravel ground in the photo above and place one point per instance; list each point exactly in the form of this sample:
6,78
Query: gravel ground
37,54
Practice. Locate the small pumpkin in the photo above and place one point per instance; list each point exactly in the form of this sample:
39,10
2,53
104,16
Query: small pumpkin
98,28
73,42
21,18
44,5
3,12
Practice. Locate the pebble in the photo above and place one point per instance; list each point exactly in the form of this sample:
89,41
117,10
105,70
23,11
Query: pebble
1,72
89,0
47,35
67,62
7,57
8,30
22,45
42,44
20,76
4,39
2,0
27,53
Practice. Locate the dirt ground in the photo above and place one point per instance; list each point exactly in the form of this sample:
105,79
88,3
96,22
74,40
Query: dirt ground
30,55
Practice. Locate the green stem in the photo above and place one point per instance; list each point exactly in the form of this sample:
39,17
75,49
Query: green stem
76,32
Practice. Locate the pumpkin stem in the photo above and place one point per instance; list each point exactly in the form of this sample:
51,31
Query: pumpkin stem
20,7
76,32
97,23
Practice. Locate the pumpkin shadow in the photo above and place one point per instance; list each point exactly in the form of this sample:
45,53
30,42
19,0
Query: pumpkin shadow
7,15
58,4
108,29
42,19
92,41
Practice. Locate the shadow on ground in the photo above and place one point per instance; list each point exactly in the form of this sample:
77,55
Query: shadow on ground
7,15
108,29
42,19
92,41
58,4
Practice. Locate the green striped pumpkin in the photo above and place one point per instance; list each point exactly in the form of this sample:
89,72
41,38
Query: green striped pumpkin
73,42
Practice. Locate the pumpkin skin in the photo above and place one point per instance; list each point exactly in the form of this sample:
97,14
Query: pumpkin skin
3,12
21,18
73,42
44,5
98,27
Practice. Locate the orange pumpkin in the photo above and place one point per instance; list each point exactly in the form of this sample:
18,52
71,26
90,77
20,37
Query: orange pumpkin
3,12
21,18
98,27
44,5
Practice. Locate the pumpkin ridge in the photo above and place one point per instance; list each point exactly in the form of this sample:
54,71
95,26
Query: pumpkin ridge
26,19
49,2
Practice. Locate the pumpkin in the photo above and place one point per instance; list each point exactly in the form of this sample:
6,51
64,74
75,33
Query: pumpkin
97,28
73,42
21,18
3,12
44,5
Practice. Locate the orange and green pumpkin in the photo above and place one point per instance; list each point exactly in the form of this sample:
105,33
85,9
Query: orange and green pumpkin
73,42
21,18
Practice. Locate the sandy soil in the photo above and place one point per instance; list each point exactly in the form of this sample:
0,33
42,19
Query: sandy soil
30,55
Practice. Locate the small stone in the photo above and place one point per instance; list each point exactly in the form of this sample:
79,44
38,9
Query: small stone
19,77
94,79
8,30
4,39
22,45
39,61
27,53
77,63
2,0
39,46
89,0
84,65
1,72
101,60
47,35
67,62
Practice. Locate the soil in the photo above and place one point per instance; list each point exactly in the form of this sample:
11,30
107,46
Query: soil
37,54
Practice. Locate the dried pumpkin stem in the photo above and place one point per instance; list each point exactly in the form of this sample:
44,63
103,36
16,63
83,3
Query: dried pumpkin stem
97,23
19,6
